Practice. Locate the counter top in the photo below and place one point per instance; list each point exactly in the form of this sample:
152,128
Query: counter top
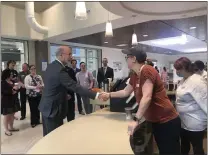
102,132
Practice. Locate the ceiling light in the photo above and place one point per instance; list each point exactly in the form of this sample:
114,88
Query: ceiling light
121,45
80,12
191,28
106,42
171,41
145,35
196,50
134,39
108,29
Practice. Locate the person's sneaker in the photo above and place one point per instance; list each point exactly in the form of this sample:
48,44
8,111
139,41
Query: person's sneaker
22,118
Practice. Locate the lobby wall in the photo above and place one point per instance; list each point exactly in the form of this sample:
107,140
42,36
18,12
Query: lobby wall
14,24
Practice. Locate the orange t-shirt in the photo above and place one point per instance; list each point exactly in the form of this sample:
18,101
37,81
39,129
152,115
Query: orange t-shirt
160,110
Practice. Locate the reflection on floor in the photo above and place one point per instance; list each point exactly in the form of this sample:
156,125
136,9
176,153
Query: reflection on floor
20,142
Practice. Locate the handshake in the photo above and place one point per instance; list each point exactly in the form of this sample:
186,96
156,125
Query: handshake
104,96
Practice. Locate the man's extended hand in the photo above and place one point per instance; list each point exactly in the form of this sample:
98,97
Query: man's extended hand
104,96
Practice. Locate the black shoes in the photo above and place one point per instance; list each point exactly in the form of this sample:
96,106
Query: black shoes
22,118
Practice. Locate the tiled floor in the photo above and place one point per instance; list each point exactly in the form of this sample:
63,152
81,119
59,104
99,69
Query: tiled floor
20,142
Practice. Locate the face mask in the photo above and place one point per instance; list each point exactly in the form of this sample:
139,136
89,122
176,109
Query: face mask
179,75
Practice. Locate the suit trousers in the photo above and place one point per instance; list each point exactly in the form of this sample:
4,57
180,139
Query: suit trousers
71,109
50,124
87,105
23,99
79,103
34,112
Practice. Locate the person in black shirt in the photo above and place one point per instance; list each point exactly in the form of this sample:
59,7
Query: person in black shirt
71,99
23,96
79,101
14,75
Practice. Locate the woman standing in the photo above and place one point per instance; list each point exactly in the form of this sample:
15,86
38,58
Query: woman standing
34,85
191,104
8,101
153,102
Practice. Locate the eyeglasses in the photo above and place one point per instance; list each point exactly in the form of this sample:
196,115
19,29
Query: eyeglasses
67,54
32,68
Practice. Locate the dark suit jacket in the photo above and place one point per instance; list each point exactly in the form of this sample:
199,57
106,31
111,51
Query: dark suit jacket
101,76
57,82
76,71
72,74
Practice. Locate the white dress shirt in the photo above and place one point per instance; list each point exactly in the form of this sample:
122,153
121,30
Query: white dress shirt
191,103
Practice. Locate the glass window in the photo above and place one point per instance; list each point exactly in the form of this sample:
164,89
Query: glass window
92,57
14,50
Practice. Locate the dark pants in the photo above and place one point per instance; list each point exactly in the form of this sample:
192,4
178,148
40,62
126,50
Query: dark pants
34,112
193,138
79,103
167,136
71,108
50,124
23,98
88,107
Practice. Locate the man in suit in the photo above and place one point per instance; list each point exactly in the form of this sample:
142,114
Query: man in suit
71,98
53,105
104,73
79,101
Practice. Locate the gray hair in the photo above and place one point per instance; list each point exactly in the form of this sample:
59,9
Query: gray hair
59,51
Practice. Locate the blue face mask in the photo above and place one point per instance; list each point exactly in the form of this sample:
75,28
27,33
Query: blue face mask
179,75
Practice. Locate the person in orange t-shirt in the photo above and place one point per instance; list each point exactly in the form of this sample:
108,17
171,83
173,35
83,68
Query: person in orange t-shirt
153,102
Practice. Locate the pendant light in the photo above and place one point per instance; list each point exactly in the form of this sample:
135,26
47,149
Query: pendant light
134,39
108,28
80,12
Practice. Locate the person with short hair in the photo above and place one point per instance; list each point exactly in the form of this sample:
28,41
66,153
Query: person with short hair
23,95
191,104
200,69
85,79
153,101
8,101
53,105
34,85
10,66
79,101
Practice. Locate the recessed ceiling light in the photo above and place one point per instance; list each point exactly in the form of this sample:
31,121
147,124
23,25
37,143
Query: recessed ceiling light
105,42
193,27
145,35
121,45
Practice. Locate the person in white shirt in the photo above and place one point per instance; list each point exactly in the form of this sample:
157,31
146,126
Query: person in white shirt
34,85
191,103
200,69
85,79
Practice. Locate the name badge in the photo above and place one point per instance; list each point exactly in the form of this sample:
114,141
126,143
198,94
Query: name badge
137,85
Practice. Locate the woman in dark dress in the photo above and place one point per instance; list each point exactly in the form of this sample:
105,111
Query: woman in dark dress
8,102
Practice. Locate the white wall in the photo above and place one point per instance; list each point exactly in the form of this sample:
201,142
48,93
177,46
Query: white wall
60,17
13,24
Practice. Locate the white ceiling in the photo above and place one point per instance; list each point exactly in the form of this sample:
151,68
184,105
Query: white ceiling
192,45
38,6
162,10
